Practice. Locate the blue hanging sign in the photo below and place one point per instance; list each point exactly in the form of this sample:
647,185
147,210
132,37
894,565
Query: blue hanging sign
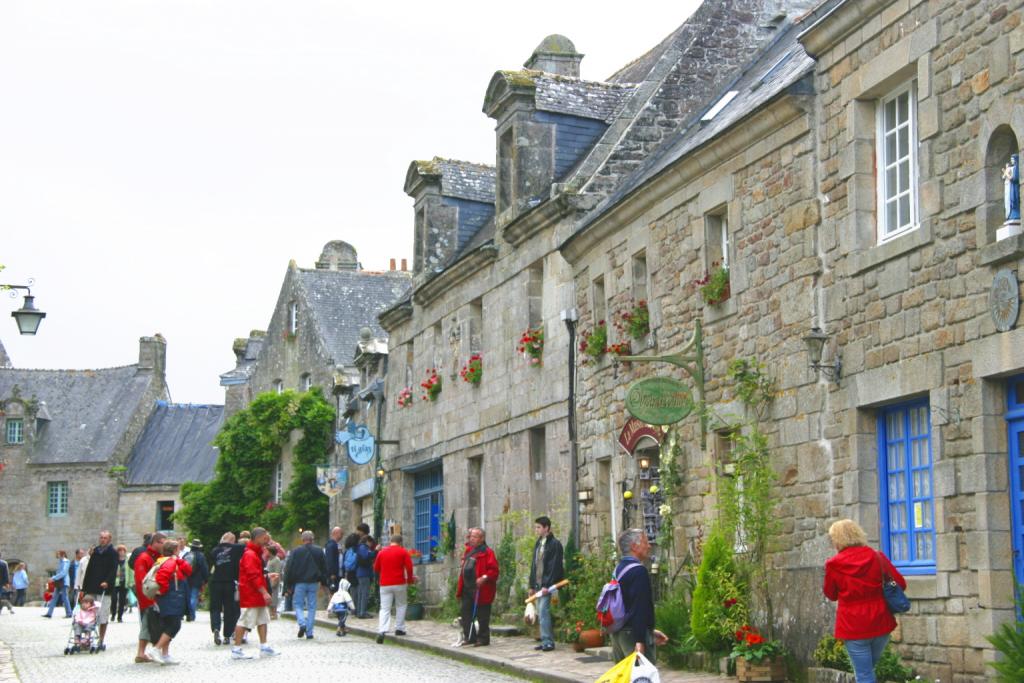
359,441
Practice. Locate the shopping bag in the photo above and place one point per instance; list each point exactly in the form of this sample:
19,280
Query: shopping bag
621,672
530,617
644,671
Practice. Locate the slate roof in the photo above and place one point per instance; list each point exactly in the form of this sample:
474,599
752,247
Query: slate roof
576,97
779,66
176,445
466,180
89,410
245,365
342,302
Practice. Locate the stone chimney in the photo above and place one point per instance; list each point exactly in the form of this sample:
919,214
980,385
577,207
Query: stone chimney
556,55
338,255
153,354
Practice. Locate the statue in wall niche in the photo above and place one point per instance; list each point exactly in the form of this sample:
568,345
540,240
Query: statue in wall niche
454,348
1011,199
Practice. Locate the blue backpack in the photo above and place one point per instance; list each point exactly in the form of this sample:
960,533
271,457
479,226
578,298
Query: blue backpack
611,612
349,563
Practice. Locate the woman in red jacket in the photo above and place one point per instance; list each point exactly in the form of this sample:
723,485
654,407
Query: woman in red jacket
853,576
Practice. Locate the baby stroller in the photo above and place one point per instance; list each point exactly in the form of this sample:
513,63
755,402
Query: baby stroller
83,632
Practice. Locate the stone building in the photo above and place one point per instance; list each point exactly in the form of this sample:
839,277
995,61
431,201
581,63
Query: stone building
849,175
175,447
311,340
562,144
65,434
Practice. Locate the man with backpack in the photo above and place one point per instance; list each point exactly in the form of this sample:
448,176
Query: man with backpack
546,569
226,556
631,614
365,557
305,572
148,631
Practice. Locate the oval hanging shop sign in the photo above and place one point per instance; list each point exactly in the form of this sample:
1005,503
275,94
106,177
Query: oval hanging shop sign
659,400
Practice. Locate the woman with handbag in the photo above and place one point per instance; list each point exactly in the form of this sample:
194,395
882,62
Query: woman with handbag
857,576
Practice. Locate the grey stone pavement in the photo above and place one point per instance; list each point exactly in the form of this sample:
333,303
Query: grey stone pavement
514,654
37,646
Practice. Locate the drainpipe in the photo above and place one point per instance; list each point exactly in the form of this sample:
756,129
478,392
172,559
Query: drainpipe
569,317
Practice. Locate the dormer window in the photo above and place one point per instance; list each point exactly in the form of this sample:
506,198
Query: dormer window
293,317
15,430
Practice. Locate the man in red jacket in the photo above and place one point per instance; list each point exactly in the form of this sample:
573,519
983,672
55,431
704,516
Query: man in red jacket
394,566
143,564
253,596
478,580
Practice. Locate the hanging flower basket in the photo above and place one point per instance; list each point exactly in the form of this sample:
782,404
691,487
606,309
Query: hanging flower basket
620,349
405,398
531,345
431,385
473,371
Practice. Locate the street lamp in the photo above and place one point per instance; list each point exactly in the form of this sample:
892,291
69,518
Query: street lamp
815,342
28,316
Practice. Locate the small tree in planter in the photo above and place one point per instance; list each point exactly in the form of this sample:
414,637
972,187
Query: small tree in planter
595,342
714,286
431,385
531,345
473,371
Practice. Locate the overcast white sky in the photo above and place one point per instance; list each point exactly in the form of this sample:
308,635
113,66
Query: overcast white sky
162,160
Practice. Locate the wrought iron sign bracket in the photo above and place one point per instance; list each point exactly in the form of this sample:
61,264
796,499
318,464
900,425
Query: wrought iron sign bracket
691,360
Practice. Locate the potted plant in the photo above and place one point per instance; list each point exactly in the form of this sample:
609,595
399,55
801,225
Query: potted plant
473,371
414,608
405,397
531,345
620,349
714,286
636,321
594,343
431,385
587,637
757,659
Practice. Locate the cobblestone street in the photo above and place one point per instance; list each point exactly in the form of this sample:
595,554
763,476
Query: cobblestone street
38,644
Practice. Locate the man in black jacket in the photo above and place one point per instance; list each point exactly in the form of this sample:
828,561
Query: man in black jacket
225,556
305,572
332,553
100,574
146,539
545,571
637,633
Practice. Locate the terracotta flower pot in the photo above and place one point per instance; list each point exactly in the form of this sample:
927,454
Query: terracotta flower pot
591,637
766,671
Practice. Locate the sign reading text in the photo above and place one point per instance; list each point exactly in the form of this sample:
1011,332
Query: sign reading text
633,431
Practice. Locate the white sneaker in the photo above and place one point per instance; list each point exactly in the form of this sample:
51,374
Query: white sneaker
267,651
170,660
239,653
158,657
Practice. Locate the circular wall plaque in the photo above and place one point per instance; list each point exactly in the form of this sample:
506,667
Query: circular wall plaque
1004,300
659,400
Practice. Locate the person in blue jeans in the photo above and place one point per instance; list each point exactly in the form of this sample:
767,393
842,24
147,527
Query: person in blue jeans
546,569
366,553
60,586
853,577
304,574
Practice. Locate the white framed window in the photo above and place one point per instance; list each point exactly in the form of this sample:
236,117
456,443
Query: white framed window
306,382
278,482
15,430
279,386
896,137
57,498
716,226
293,317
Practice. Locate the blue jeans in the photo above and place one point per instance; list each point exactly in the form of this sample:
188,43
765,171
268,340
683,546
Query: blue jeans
305,605
362,596
864,654
547,632
59,595
193,601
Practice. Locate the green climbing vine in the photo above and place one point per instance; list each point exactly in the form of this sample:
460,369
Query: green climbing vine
240,494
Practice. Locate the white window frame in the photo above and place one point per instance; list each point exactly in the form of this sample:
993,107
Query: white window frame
882,162
307,382
14,427
279,386
278,482
56,499
293,317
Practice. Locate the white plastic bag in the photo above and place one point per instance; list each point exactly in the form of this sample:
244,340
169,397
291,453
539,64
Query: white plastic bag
643,671
530,617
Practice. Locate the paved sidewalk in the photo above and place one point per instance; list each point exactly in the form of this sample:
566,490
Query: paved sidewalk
511,654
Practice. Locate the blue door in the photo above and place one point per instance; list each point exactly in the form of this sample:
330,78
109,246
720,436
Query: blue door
1015,418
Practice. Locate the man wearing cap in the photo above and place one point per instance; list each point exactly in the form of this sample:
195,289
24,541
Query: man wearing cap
198,578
